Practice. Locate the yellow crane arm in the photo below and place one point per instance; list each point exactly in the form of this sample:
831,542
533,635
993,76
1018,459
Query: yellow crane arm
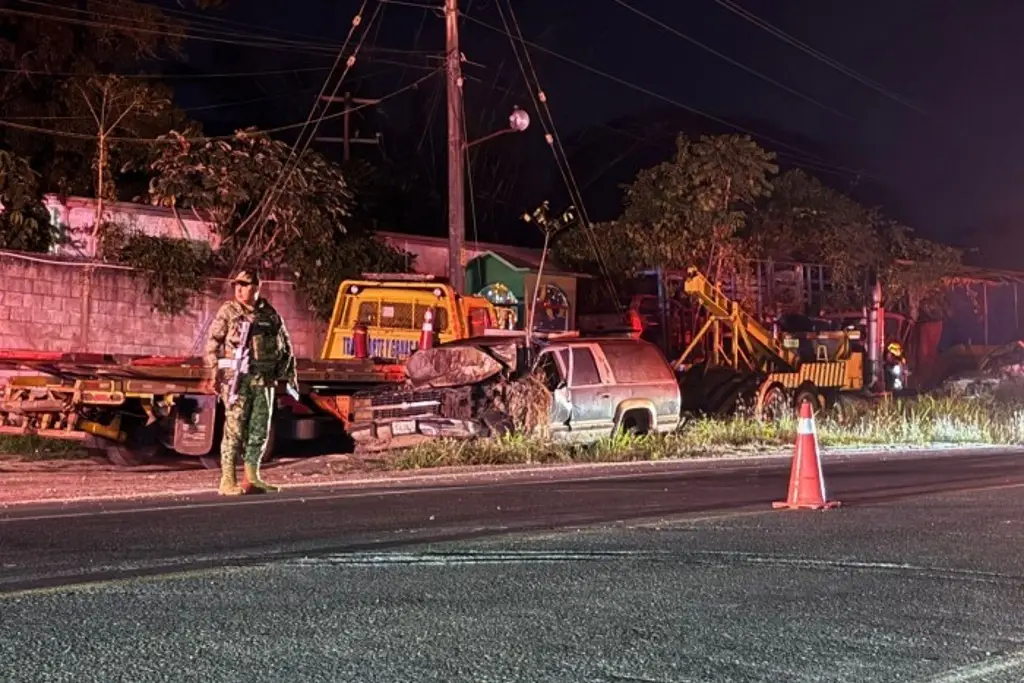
756,340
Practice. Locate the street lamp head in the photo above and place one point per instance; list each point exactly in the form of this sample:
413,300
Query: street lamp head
519,120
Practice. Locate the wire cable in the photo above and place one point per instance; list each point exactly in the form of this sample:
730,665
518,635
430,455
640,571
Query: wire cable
551,136
263,207
7,123
730,60
669,100
817,54
271,44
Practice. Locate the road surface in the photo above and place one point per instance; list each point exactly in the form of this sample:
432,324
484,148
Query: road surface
670,572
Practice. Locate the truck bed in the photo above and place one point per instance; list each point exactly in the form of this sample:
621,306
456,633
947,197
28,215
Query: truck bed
187,371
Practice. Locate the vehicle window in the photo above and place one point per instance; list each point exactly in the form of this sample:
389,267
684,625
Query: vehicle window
396,315
637,363
549,367
440,317
346,312
367,313
584,368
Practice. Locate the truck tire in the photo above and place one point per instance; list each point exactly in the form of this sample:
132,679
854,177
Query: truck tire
810,394
775,403
142,447
847,408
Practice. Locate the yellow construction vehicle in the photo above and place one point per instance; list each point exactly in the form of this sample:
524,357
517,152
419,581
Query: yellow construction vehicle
734,359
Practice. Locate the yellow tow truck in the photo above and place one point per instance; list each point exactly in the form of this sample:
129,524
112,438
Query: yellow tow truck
392,308
734,358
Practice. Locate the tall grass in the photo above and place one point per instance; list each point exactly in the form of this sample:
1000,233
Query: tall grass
921,421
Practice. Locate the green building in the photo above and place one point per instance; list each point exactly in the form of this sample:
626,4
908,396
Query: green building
508,281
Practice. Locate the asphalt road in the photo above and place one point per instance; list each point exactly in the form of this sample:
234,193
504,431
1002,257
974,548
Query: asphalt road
673,572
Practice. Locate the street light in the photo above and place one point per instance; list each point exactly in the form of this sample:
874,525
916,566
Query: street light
518,121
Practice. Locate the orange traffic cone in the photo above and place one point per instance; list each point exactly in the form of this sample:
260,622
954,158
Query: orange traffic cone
427,331
806,483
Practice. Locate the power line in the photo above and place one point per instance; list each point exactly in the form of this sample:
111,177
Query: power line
817,54
410,3
737,64
287,173
196,18
196,76
669,100
8,123
266,42
551,136
135,23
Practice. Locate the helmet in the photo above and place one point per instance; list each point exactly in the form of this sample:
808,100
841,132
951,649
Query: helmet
895,348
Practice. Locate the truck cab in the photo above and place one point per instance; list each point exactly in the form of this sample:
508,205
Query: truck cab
392,308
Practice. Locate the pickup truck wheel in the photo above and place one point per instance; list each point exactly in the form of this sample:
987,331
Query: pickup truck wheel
635,423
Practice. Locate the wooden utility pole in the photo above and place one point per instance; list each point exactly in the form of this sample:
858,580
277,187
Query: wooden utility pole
456,151
347,140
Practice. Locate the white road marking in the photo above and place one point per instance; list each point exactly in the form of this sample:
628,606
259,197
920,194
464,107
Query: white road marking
1012,662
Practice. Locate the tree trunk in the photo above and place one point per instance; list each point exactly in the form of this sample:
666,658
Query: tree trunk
100,165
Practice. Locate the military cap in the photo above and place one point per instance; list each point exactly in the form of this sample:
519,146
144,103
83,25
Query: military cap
247,276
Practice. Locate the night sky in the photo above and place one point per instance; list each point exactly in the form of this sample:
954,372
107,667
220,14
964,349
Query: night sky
940,145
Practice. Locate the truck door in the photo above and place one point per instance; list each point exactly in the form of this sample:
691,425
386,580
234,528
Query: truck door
590,392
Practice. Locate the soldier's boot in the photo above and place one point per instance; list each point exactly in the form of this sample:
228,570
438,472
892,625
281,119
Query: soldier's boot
228,481
251,482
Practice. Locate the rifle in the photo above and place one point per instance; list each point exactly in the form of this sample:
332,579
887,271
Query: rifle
240,361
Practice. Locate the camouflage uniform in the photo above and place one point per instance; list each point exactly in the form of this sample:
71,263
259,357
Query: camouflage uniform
271,359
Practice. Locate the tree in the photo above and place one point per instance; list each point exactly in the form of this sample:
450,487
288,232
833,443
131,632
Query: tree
24,221
52,52
287,212
807,221
918,278
686,211
804,220
116,107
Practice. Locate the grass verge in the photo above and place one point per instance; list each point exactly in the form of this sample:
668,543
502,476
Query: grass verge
922,421
914,422
38,448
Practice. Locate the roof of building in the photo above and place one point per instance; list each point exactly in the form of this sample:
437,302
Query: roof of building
529,263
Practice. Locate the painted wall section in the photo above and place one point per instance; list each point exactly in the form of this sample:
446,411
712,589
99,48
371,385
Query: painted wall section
53,304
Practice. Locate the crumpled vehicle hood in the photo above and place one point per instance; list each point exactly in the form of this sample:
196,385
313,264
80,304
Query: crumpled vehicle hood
458,365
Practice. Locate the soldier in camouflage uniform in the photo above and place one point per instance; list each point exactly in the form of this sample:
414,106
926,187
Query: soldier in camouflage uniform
271,359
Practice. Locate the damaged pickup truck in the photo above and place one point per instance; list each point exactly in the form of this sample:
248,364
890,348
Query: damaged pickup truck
567,388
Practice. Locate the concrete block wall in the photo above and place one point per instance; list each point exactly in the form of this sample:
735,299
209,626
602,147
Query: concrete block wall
52,304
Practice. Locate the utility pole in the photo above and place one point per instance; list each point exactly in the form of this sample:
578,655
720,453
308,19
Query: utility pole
347,140
456,151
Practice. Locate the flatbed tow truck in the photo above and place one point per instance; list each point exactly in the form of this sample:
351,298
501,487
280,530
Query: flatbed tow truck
132,408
